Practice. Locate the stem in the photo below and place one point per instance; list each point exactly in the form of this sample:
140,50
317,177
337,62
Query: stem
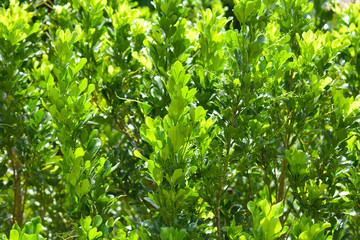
282,181
129,211
25,192
49,202
250,189
14,207
17,193
26,185
276,182
218,224
17,211
121,127
280,195
288,212
290,81
218,220
266,176
124,130
286,192
296,216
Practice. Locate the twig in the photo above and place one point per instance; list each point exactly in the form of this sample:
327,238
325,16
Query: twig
49,202
288,213
288,231
266,176
25,192
122,128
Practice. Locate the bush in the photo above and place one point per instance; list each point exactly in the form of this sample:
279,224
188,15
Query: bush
187,120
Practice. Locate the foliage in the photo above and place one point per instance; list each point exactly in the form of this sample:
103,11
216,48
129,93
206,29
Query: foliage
188,120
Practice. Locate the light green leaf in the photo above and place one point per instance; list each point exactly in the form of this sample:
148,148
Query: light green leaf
197,114
79,152
87,223
133,236
14,235
251,206
83,84
29,237
176,137
158,176
80,65
90,89
150,166
139,155
93,234
85,184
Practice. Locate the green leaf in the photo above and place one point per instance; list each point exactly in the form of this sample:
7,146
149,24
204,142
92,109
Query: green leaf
155,172
87,224
251,206
177,174
14,235
133,236
158,176
93,234
94,146
172,233
29,237
197,114
178,73
97,221
191,170
80,65
85,187
139,155
33,227
79,152
49,79
110,222
83,84
90,89
149,200
176,137
151,166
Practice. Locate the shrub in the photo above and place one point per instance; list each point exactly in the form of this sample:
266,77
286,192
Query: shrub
187,120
